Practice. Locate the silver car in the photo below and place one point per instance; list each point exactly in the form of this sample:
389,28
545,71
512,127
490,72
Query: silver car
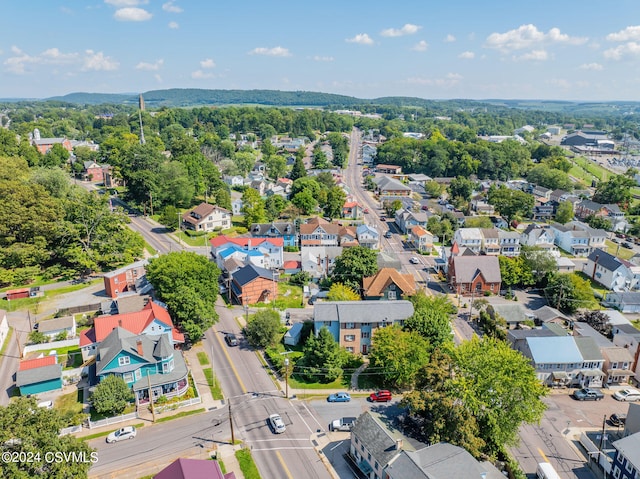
277,423
127,432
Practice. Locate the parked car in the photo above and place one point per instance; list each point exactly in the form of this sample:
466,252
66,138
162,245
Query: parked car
627,245
231,339
343,424
388,234
628,394
414,260
339,397
380,396
127,432
366,211
588,394
618,419
277,424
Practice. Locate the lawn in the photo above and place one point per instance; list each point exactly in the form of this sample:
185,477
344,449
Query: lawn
203,359
247,465
289,296
70,356
296,382
194,241
618,250
24,303
70,404
214,384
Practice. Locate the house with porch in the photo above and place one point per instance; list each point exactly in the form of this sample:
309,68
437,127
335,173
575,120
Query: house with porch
577,238
39,375
556,359
147,363
261,252
252,284
474,275
421,239
388,284
613,273
469,238
352,323
540,237
406,219
509,243
206,218
368,236
286,231
352,210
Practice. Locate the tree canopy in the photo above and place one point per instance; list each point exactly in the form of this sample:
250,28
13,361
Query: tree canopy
111,396
354,264
263,327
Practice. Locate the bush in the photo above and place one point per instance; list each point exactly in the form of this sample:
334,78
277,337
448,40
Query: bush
111,396
300,279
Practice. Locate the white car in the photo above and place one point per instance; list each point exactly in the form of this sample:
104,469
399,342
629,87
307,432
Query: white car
127,432
414,260
627,395
277,423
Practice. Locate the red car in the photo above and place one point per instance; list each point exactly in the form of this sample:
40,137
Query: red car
380,396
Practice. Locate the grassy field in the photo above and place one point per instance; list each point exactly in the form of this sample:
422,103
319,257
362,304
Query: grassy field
298,383
247,465
69,403
35,303
617,250
203,359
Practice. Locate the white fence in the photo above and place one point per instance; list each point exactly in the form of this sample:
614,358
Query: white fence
46,347
70,430
112,420
178,405
594,452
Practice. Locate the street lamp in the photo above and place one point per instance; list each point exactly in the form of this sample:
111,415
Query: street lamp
246,313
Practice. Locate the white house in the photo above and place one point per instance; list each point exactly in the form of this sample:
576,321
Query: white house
509,243
540,237
578,238
261,252
232,181
236,207
611,272
57,326
206,217
470,238
4,326
368,236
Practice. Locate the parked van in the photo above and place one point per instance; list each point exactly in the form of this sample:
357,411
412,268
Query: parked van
628,394
546,471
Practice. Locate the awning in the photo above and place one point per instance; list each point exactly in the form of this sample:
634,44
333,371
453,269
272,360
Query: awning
592,373
559,375
365,466
620,372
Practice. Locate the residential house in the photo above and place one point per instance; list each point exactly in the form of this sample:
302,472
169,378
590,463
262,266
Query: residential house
547,314
480,206
348,236
288,144
611,272
626,457
388,284
627,302
474,275
369,152
286,231
578,238
380,452
591,372
490,241
509,243
421,239
470,238
544,211
617,365
153,320
193,469
4,326
539,237
386,186
514,314
251,284
261,252
352,323
292,266
92,171
126,279
277,190
541,192
406,219
352,210
389,169
44,145
147,363
589,208
559,195
368,236
236,207
64,327
39,375
319,232
517,338
318,260
233,180
259,185
556,359
206,218
628,337
499,222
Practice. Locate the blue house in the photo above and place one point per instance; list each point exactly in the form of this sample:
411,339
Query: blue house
626,462
144,362
286,231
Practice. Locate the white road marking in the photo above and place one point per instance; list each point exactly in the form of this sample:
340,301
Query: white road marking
336,446
283,448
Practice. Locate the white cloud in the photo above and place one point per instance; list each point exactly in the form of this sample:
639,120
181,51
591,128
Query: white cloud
421,46
591,66
449,38
272,52
170,7
52,56
131,14
535,55
627,49
126,3
319,58
150,66
200,75
467,55
629,33
158,78
407,29
560,82
528,36
98,62
55,56
207,63
174,25
451,79
360,38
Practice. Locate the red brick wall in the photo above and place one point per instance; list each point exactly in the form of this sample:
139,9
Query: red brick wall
253,292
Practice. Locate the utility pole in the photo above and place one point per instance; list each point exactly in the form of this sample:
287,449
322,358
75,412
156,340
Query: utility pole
604,426
233,438
286,377
153,409
179,230
29,317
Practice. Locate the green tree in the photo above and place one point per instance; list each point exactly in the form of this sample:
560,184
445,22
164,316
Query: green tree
515,271
398,355
336,198
340,292
616,190
478,222
111,396
274,205
461,188
263,328
305,201
511,203
564,213
188,284
540,262
354,264
169,217
27,430
550,178
36,337
244,161
322,361
597,320
298,170
390,207
598,222
431,318
276,166
253,207
569,292
433,188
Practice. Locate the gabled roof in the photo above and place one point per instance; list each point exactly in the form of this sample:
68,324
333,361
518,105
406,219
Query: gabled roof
37,362
38,375
629,447
511,312
122,340
386,183
250,272
200,212
375,285
547,313
124,269
56,324
588,348
604,259
135,323
375,311
272,229
468,267
244,242
375,437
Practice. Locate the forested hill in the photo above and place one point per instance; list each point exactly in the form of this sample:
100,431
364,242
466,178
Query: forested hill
186,97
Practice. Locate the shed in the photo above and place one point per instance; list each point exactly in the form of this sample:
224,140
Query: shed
292,337
39,375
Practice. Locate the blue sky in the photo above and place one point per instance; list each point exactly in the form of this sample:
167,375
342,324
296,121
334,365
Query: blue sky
564,50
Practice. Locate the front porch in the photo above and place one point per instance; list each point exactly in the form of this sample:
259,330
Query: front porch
169,390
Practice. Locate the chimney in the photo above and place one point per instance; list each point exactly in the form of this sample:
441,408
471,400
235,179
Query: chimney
119,323
595,265
398,444
139,347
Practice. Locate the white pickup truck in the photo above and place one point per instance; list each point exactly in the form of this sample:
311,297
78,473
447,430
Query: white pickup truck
343,424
